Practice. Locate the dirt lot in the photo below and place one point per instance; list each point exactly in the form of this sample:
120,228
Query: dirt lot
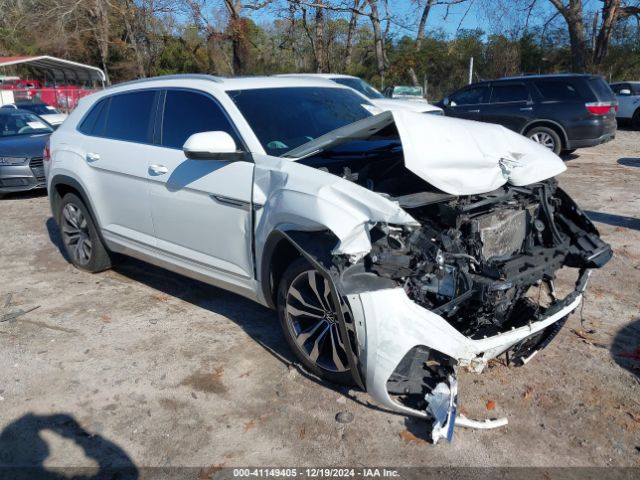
139,365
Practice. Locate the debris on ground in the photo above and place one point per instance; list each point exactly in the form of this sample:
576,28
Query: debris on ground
527,392
409,437
489,423
13,316
586,337
344,417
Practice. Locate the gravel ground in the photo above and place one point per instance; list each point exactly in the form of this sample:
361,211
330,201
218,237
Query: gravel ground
141,366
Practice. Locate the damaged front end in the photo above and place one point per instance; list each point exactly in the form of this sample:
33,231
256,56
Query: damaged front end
477,280
473,277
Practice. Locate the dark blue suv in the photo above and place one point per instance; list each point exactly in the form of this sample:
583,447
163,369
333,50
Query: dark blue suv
562,112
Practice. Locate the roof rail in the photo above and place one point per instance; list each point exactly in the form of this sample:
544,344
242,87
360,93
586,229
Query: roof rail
179,76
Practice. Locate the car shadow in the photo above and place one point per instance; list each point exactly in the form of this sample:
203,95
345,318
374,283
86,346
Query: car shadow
567,157
625,349
37,193
23,451
615,220
54,237
629,161
259,322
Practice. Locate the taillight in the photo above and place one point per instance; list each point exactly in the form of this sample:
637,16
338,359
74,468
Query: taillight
601,108
46,154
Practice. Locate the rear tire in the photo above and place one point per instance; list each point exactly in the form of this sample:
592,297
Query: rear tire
309,321
80,238
546,137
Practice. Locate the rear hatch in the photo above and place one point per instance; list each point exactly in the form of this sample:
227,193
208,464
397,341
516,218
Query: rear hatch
603,101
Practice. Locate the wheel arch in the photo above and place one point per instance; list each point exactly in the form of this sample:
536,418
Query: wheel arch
283,246
555,126
61,185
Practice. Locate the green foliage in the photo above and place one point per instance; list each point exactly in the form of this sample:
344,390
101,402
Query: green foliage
159,43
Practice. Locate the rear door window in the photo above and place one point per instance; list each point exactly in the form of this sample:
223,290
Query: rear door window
471,96
130,116
516,92
187,112
557,90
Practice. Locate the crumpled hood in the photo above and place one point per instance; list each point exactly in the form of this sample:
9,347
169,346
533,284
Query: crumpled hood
463,157
460,157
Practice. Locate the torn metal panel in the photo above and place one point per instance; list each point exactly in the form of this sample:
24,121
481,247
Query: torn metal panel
305,198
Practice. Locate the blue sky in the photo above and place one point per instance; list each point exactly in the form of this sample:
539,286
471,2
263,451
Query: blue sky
467,15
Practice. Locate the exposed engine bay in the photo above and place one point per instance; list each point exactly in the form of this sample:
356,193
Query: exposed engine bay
474,260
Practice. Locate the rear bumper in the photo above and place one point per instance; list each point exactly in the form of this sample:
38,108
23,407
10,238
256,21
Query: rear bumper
20,178
591,132
591,142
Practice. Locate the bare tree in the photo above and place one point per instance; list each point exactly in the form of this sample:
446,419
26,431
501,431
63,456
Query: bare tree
572,12
612,12
353,24
98,13
319,40
426,10
378,39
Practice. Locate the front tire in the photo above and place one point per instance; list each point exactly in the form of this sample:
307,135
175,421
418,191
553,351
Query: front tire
309,320
547,138
80,238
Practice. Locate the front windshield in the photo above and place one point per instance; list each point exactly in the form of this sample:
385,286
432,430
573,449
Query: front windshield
285,118
406,91
22,123
359,85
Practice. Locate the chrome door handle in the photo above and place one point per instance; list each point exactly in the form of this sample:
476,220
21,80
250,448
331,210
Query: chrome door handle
92,157
474,111
526,109
158,169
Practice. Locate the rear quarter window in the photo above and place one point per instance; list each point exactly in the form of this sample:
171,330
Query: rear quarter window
601,89
559,90
88,125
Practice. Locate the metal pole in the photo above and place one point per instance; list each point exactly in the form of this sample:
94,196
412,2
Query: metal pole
426,87
471,70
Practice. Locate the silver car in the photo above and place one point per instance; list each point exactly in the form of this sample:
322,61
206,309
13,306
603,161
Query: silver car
628,95
396,248
23,136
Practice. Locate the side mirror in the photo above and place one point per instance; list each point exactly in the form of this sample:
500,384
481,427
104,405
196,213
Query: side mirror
625,91
446,101
212,146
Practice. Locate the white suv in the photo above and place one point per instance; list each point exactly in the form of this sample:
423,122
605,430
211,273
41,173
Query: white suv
628,95
396,247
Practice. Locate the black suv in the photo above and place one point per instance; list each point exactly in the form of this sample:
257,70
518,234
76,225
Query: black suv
562,112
